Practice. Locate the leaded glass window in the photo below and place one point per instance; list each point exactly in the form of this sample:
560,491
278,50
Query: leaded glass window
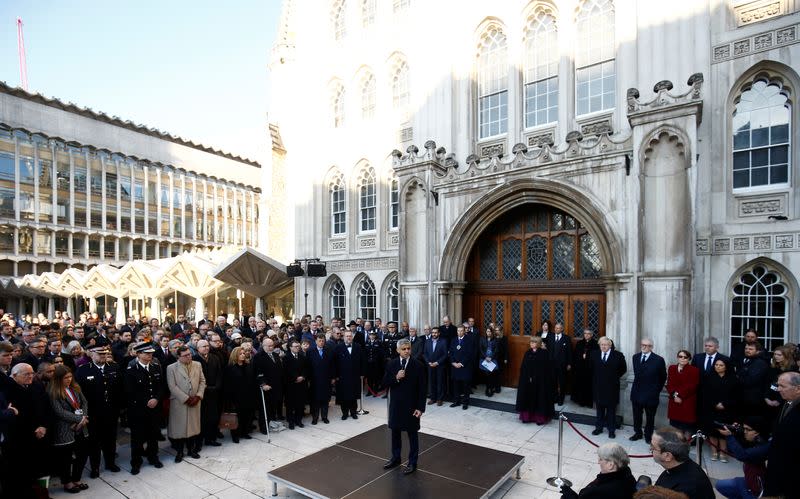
368,97
338,299
394,300
367,200
595,73
761,143
394,204
590,258
537,257
564,257
338,207
492,83
401,91
366,299
760,301
541,69
512,259
488,260
338,19
337,105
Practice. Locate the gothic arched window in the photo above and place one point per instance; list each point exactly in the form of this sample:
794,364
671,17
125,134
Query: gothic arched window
338,205
368,97
595,67
366,299
337,104
492,83
541,69
367,200
394,204
761,140
338,19
394,300
401,92
367,12
760,301
337,297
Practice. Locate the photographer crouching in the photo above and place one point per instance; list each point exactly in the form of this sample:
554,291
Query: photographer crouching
749,443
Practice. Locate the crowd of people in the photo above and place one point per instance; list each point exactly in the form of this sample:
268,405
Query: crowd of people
69,384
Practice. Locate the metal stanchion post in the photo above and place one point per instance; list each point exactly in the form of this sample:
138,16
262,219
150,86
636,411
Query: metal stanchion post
698,442
558,480
361,410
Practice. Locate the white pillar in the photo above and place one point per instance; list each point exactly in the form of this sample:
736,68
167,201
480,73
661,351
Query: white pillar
70,308
35,309
155,311
119,317
259,306
51,308
199,309
93,304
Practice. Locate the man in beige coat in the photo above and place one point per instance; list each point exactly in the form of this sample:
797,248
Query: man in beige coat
186,386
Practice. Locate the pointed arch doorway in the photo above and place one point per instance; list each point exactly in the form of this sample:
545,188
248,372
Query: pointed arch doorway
532,264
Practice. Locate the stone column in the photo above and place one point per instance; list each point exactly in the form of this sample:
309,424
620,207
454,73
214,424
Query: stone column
119,317
259,306
70,307
199,309
92,304
51,308
155,308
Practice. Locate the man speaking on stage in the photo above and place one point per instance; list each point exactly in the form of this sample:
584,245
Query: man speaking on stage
405,379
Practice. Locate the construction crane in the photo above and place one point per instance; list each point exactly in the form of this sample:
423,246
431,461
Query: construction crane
23,66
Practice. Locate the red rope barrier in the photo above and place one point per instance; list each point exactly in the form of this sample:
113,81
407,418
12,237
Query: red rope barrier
633,456
379,394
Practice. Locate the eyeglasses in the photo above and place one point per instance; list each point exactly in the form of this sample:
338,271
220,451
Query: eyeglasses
646,345
655,449
682,357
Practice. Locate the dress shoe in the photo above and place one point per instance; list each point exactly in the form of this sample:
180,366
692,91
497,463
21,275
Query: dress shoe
612,435
264,432
491,394
647,440
635,437
235,440
112,467
313,421
220,435
135,469
391,464
465,406
74,490
94,473
431,402
301,425
179,457
325,420
344,417
454,404
83,486
247,436
212,443
291,426
409,469
597,432
439,403
354,416
157,464
486,392
194,455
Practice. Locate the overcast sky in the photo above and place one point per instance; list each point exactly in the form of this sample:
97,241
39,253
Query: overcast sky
196,69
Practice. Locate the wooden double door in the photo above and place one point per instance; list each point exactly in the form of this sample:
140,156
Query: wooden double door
520,316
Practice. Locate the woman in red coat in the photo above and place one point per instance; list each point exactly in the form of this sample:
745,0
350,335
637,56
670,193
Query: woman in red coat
682,382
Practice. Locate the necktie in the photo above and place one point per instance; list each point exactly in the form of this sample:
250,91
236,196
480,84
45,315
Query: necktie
605,357
644,359
403,363
784,410
708,362
320,352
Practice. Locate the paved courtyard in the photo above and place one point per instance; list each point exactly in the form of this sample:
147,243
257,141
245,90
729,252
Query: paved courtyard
240,471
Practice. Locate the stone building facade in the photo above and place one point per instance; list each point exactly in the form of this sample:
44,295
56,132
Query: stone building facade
606,164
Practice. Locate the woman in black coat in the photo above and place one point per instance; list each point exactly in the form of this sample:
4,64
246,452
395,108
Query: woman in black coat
615,480
719,394
536,385
582,370
240,391
490,351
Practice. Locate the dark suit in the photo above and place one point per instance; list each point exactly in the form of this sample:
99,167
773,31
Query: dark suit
417,347
322,371
605,379
447,332
462,351
648,381
268,369
436,374
699,361
753,374
296,391
103,392
142,384
177,328
405,396
560,351
349,367
783,458
210,409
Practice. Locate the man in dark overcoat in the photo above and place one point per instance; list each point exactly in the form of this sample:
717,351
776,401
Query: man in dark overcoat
608,366
296,375
405,379
559,346
350,366
462,360
213,371
435,357
144,389
649,376
320,359
268,367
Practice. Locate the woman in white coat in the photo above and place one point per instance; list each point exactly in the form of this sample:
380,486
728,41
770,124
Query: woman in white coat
186,386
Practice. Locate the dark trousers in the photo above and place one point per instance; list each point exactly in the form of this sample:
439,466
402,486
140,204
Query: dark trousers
319,408
245,417
294,409
192,444
349,406
461,390
145,429
274,404
102,438
606,415
436,382
413,443
375,376
71,459
561,384
209,420
650,415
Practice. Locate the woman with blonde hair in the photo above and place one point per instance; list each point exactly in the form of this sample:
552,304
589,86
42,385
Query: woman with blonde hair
536,385
240,391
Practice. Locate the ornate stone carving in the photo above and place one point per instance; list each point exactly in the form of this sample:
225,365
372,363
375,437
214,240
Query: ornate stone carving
762,41
722,245
741,243
596,128
336,245
394,239
758,207
541,139
760,10
367,242
701,246
762,243
496,149
664,97
390,263
786,35
406,134
741,47
784,241
722,52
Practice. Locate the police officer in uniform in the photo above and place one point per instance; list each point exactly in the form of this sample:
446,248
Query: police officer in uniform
101,383
144,389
